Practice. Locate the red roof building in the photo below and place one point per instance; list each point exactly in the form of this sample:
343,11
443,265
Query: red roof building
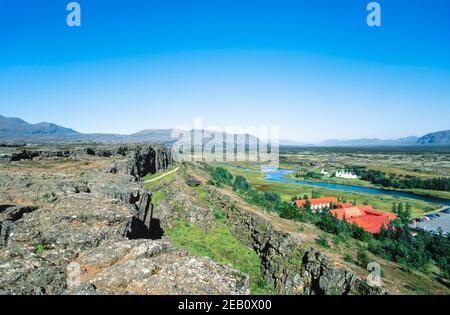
365,216
345,204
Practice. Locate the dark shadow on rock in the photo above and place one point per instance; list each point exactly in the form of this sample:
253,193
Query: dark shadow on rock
156,232
4,207
139,230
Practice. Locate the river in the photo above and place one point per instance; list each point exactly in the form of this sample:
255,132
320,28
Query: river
279,176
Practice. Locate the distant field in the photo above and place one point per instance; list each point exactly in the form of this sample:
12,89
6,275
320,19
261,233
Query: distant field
415,161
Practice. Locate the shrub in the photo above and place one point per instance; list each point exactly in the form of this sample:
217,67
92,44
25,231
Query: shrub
362,258
241,185
348,258
219,215
322,241
221,176
39,249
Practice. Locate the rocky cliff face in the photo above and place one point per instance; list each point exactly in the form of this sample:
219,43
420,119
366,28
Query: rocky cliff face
83,205
147,159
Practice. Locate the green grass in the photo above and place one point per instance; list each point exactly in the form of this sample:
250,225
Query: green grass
202,193
157,196
322,241
39,249
219,215
363,183
336,180
221,246
428,192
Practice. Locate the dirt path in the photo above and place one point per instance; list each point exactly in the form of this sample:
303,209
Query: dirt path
162,175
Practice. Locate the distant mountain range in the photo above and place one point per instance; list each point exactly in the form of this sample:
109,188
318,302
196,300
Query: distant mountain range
434,138
293,143
15,126
368,142
15,130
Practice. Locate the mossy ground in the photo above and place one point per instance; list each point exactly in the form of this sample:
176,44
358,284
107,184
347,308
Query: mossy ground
221,246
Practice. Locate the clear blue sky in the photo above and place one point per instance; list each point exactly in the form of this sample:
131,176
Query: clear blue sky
314,68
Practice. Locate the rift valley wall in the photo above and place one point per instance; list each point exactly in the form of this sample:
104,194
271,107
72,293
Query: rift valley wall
291,268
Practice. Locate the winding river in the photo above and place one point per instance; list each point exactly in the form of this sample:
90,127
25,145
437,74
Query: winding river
279,176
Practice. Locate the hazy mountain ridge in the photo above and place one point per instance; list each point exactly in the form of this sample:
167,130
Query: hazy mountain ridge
436,138
369,142
16,126
15,130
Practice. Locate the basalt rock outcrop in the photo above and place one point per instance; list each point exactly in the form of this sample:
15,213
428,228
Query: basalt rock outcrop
64,208
147,159
155,267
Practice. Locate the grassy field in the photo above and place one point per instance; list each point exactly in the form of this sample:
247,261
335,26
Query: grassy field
363,183
419,162
335,180
288,190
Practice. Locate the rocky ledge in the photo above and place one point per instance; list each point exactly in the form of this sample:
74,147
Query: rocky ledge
84,206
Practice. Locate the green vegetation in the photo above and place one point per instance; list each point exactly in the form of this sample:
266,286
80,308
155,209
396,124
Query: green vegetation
322,241
202,193
378,177
39,249
157,196
348,258
219,215
49,197
220,177
362,259
332,180
221,246
312,175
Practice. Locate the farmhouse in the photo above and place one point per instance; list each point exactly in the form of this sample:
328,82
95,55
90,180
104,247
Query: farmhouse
316,203
364,216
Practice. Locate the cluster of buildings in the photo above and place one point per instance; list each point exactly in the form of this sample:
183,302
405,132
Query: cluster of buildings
364,216
344,174
339,174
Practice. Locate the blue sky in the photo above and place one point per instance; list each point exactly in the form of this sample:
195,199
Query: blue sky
314,68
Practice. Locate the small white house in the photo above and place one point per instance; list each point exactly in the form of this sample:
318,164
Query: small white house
344,174
324,173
